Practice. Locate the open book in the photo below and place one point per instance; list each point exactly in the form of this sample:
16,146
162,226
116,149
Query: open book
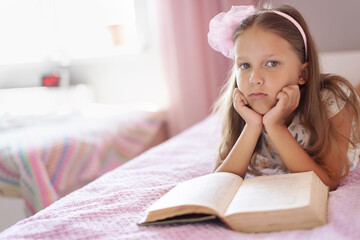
257,204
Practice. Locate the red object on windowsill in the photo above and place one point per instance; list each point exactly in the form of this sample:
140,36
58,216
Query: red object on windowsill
51,80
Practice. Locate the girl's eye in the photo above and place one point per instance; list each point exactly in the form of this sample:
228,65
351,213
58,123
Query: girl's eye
272,63
244,66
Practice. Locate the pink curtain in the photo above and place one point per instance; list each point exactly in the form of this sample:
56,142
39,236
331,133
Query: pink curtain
194,72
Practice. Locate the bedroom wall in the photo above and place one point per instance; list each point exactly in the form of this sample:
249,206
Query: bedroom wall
344,63
334,24
124,79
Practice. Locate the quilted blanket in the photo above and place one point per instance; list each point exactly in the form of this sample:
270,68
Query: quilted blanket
111,206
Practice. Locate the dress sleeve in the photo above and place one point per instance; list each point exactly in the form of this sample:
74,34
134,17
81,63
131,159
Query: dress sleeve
333,103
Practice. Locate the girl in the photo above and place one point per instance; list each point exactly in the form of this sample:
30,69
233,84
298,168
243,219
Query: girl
280,113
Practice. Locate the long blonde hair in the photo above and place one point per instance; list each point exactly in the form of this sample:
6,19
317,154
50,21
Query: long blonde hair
311,109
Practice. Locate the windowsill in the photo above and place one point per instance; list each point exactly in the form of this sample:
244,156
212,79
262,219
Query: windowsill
111,52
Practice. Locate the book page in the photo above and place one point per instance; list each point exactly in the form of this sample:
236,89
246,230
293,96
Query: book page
213,190
274,192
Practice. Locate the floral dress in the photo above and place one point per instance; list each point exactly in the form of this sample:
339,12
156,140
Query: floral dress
268,160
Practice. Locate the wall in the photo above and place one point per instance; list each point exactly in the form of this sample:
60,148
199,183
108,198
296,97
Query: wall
123,79
344,63
334,24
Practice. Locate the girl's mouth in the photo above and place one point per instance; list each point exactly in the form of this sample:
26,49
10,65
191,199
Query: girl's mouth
257,95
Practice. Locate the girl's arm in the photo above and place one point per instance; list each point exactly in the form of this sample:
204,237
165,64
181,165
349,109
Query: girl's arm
297,159
239,157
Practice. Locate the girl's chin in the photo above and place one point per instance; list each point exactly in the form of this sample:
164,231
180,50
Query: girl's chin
262,110
262,113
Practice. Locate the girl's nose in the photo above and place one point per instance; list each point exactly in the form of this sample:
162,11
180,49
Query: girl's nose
256,78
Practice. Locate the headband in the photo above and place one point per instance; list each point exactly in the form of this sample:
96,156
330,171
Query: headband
222,28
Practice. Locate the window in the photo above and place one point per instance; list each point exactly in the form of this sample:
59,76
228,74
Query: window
21,31
36,30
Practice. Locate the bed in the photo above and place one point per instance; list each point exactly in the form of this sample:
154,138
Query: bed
45,156
111,206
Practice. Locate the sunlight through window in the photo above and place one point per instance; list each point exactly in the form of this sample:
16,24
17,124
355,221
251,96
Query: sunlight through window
34,30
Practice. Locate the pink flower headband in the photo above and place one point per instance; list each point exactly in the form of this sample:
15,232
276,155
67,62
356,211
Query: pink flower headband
222,27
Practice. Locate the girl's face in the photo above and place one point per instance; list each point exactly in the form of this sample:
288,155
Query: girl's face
265,64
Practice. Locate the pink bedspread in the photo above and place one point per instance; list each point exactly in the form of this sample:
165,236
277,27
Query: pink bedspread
110,207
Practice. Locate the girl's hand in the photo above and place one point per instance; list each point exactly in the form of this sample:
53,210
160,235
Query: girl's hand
251,117
288,100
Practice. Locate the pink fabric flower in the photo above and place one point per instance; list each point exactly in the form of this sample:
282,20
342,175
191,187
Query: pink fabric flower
222,26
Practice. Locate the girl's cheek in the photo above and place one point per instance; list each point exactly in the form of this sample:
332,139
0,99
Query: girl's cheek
238,81
241,85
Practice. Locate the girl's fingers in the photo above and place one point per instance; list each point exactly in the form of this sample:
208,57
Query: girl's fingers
283,99
241,96
289,96
238,99
240,104
291,90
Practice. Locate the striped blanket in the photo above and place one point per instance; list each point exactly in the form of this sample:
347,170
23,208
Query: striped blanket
44,161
